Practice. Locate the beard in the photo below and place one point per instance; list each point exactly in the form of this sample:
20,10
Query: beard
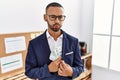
55,27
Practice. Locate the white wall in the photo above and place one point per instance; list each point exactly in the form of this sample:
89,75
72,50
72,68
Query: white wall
86,22
19,15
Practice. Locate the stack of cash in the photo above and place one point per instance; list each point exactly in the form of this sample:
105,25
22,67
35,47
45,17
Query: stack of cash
56,53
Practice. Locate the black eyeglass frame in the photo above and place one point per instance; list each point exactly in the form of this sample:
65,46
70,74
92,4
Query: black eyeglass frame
54,17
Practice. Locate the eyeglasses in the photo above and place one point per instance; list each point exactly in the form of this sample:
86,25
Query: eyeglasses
54,17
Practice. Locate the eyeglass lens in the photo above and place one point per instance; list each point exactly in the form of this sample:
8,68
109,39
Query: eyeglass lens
54,17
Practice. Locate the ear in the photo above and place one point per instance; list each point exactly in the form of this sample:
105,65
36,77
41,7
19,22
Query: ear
45,17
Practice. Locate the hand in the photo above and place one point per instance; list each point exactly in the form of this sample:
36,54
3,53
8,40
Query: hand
65,69
54,66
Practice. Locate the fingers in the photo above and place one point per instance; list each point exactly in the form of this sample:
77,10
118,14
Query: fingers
54,66
61,67
58,61
63,64
60,71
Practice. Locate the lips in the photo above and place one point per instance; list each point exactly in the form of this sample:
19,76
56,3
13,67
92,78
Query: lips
56,26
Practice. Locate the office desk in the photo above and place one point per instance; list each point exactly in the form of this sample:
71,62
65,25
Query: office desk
86,75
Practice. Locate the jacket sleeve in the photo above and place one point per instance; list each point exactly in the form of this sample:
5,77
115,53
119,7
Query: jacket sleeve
31,68
78,66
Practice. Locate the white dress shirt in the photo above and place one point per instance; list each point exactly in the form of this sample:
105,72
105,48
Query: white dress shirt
55,46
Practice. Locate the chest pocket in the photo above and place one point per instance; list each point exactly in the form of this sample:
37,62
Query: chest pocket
69,58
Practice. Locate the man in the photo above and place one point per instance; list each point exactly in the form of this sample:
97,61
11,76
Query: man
54,55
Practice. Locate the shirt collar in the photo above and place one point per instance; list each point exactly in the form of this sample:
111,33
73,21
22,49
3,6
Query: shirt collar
49,36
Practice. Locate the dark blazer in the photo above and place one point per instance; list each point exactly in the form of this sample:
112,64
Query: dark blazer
37,59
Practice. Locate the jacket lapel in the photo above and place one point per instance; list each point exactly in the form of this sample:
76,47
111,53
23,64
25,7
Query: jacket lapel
64,45
45,43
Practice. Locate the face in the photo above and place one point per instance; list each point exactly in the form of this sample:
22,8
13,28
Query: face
54,18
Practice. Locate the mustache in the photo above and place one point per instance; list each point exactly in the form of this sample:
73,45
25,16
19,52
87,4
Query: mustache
56,24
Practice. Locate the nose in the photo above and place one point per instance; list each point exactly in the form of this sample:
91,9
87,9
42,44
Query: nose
57,20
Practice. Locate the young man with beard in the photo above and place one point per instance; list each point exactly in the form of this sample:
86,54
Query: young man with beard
54,55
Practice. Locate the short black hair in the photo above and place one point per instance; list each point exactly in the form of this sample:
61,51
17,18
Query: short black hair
53,4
